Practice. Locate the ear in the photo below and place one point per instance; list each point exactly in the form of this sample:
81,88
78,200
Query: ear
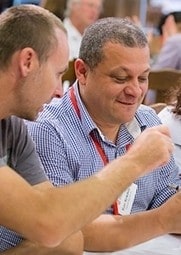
28,61
81,70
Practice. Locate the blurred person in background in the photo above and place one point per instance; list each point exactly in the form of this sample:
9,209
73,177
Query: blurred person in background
169,56
170,52
166,6
79,14
171,116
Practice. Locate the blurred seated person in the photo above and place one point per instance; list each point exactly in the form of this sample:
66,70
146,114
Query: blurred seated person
78,15
171,116
166,6
170,53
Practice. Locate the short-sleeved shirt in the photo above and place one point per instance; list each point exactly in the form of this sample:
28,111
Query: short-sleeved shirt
17,150
173,122
64,143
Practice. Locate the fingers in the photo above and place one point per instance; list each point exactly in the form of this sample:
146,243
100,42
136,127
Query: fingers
162,129
164,133
152,148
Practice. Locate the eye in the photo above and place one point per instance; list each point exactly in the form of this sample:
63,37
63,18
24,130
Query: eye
143,79
120,80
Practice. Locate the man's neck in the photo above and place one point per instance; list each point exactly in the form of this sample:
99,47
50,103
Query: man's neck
80,27
5,96
4,108
109,131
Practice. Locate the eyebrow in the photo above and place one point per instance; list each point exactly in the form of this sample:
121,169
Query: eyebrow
147,70
125,69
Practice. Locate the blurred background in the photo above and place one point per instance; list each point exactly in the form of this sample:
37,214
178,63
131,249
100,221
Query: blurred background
159,19
148,11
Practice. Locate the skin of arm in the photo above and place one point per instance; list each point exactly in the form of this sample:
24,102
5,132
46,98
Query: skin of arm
121,232
71,246
51,223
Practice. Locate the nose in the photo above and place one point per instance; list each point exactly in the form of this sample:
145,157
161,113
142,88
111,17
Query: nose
58,93
134,89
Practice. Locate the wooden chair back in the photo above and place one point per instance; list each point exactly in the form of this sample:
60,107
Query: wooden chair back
70,73
158,107
161,81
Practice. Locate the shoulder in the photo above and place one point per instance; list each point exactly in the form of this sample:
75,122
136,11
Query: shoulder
12,125
166,114
12,121
54,111
173,122
69,26
56,116
66,22
169,118
147,116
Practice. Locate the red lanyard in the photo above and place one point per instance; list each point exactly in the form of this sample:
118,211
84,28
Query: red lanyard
74,102
93,137
95,141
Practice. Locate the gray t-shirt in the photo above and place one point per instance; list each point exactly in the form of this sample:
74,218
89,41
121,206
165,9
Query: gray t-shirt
17,150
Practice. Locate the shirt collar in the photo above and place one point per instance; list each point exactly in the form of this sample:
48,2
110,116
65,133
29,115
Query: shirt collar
86,119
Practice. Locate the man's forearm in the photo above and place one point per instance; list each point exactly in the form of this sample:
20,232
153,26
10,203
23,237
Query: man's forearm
28,248
71,246
50,216
112,233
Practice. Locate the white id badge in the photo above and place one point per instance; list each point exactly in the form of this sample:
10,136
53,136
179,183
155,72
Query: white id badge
125,201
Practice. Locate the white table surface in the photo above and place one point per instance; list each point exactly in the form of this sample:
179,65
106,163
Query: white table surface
164,245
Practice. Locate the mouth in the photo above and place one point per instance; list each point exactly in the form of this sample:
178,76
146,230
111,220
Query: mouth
127,103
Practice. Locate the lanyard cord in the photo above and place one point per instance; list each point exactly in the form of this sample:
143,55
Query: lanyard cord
97,144
93,137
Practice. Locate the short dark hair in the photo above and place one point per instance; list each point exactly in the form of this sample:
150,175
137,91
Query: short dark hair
111,29
177,18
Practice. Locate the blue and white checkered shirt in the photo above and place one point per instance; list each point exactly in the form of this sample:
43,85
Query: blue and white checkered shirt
68,153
